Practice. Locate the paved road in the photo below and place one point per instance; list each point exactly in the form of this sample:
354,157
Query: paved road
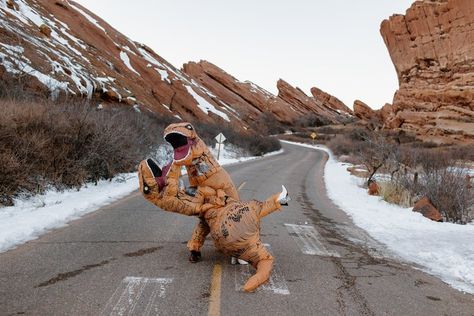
129,258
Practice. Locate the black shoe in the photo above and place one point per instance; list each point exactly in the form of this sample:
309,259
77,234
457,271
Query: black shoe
194,256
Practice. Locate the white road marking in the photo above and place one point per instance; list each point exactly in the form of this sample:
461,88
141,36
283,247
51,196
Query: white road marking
137,296
275,284
308,240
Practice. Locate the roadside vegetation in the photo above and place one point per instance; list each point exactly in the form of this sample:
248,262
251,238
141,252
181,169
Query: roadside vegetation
403,168
62,145
406,170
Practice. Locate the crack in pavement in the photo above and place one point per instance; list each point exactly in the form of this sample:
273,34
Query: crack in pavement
327,229
142,252
67,275
106,242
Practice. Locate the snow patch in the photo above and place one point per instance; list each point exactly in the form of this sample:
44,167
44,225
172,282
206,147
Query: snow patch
442,249
30,218
163,74
126,61
205,106
30,14
16,63
88,17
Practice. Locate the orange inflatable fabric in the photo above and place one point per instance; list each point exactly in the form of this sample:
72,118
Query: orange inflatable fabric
234,227
203,171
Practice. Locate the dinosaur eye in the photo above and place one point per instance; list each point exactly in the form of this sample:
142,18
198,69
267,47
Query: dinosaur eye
190,127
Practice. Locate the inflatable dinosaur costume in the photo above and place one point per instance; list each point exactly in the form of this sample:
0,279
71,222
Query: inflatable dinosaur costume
203,171
234,227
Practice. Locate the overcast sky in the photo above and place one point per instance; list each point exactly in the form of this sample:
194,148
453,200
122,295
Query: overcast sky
331,44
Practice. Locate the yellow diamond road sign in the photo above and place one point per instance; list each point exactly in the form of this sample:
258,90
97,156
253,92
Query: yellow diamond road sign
313,135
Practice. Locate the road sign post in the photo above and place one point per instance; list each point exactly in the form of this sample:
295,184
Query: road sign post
313,136
220,141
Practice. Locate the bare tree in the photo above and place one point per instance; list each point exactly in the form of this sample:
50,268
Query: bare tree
376,151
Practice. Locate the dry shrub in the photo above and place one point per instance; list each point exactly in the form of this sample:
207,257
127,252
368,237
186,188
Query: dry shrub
392,192
311,120
436,175
251,143
44,144
341,145
66,145
267,124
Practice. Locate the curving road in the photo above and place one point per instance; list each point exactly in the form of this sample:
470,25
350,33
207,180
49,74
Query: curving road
129,258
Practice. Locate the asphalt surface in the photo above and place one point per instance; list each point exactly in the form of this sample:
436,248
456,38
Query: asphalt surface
130,258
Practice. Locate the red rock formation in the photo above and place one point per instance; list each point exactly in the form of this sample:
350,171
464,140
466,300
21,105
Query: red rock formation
318,105
83,56
364,112
373,188
427,209
432,48
330,101
250,100
247,99
66,50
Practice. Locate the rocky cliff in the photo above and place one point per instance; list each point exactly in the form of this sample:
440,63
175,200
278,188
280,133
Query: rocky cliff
246,97
432,48
59,48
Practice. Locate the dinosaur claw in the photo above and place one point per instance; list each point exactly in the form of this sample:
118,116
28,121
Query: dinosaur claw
284,198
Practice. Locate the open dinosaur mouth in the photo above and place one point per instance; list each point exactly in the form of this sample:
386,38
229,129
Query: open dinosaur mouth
181,145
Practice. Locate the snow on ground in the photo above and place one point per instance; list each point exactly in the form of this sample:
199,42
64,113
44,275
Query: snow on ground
32,217
442,249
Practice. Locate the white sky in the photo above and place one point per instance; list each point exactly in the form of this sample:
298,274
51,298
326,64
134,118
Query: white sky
331,44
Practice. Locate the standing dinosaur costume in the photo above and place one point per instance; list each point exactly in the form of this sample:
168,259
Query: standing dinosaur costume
234,227
203,171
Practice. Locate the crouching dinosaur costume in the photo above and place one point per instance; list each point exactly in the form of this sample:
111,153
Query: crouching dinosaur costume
234,227
203,171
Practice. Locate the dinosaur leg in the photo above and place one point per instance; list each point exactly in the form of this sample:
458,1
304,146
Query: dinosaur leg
264,269
274,202
269,206
197,240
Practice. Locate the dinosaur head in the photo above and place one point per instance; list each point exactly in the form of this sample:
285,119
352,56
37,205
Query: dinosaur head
152,177
185,141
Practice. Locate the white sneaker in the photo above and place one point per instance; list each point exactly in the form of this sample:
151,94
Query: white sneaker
234,260
284,198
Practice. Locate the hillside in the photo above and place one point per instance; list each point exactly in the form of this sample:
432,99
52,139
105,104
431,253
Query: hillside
59,48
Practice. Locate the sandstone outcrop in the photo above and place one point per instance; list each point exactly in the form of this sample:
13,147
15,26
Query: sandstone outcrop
303,104
427,209
80,55
432,48
373,188
364,112
330,101
247,100
251,101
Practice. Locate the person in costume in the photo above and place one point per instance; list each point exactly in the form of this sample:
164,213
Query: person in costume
203,171
234,225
